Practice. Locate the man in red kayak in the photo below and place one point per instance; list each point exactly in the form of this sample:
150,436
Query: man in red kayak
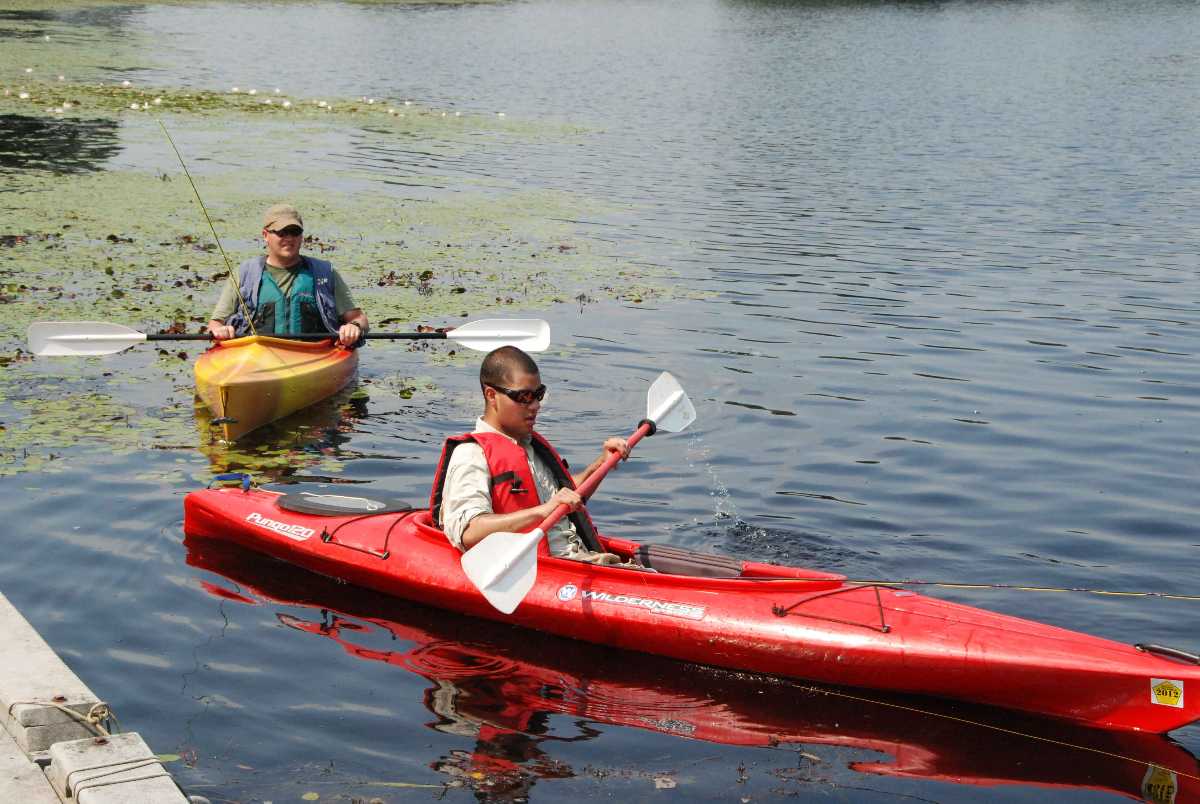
285,292
504,476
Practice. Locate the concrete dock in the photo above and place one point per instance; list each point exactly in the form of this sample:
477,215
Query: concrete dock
55,747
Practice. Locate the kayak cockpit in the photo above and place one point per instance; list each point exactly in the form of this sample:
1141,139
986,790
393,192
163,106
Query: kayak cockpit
670,560
375,533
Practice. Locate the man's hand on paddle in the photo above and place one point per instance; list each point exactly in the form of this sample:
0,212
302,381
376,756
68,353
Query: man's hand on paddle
348,334
615,444
353,328
618,445
568,497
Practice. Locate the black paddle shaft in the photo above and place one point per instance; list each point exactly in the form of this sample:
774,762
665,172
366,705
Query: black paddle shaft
309,336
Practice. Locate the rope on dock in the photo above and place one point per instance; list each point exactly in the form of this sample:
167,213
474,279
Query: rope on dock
123,766
96,714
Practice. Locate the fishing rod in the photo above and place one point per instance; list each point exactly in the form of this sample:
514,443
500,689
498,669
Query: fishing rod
228,265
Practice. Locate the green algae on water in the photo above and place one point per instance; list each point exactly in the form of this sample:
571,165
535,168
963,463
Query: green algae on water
34,96
131,247
44,432
98,222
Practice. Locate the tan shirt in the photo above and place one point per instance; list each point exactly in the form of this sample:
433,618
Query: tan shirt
467,493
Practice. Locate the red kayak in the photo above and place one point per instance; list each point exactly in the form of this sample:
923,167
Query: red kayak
499,683
744,615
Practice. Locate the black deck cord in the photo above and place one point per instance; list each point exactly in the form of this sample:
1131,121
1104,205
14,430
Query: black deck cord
328,537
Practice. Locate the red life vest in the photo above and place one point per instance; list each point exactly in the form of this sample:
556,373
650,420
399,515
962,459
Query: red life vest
512,485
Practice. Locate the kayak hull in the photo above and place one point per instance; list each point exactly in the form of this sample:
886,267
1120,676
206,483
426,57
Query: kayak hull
252,381
503,681
782,621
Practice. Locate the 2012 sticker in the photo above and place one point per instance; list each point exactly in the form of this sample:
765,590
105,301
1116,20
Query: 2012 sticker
1166,692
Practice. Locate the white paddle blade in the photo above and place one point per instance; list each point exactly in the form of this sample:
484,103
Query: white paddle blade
668,406
504,566
529,334
80,338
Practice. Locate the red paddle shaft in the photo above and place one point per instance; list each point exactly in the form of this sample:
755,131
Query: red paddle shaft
588,486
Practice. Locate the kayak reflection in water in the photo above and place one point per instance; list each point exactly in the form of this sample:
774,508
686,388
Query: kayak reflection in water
504,476
285,292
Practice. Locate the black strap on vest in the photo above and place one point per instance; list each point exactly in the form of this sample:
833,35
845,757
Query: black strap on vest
507,477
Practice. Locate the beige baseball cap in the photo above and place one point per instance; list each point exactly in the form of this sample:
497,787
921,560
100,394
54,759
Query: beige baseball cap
281,216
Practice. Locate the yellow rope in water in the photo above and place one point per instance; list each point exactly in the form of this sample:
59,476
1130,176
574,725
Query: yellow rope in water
228,265
992,727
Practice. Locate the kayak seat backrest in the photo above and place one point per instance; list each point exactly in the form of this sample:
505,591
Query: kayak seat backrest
678,561
338,505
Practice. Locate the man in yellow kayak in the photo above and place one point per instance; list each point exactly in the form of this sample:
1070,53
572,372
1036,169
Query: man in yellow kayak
504,476
285,292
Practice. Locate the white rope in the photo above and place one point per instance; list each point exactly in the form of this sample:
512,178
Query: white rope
123,766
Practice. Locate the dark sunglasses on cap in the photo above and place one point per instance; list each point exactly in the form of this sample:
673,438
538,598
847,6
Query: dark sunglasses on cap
524,396
289,231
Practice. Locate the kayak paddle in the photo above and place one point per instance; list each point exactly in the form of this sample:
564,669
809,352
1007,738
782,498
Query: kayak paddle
90,338
503,566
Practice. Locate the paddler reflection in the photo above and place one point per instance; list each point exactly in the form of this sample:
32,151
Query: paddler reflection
493,709
507,760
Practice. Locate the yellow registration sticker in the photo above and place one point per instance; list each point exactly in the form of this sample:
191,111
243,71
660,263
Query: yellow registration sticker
1166,692
1159,786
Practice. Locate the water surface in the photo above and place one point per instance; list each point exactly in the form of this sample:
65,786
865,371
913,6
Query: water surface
927,271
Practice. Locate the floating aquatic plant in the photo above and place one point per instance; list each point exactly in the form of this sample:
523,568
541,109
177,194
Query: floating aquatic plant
100,224
131,247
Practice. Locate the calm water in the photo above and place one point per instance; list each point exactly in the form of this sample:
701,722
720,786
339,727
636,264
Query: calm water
940,322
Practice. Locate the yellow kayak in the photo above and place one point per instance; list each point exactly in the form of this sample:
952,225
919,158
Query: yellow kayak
252,381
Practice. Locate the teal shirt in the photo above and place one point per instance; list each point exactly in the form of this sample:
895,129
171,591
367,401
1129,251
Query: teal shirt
285,278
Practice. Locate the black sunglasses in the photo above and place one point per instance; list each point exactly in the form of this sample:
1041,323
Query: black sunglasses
290,231
524,396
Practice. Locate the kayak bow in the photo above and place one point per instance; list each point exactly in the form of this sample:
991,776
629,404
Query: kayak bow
252,381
